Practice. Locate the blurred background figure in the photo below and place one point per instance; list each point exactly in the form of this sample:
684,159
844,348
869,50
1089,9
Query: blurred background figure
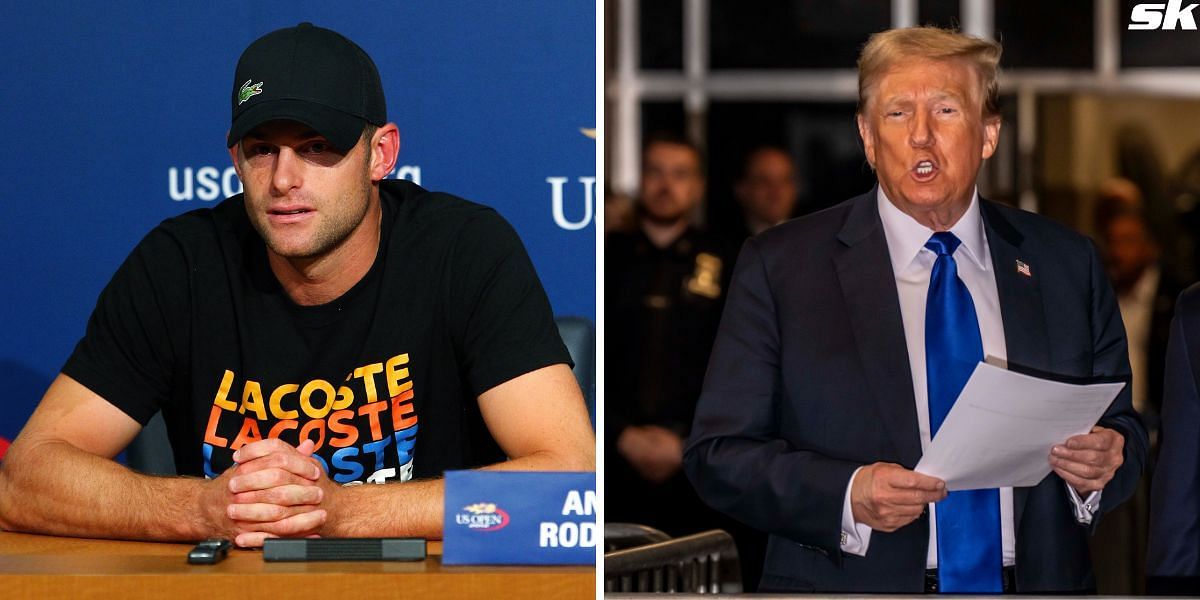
664,285
663,296
1146,294
618,211
1173,553
1117,196
767,190
1146,291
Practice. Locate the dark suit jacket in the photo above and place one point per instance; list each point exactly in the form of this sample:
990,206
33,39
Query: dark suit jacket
1156,352
809,379
1174,548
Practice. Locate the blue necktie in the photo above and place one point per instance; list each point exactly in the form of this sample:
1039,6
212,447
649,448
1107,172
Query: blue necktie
968,522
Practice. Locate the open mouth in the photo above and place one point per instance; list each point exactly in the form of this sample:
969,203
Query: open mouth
924,170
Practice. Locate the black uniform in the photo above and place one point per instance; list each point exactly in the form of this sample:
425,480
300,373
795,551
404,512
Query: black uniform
662,306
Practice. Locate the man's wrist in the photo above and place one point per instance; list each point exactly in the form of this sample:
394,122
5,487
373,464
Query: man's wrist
205,512
340,521
854,537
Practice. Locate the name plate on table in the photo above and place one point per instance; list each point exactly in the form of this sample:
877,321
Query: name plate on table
520,518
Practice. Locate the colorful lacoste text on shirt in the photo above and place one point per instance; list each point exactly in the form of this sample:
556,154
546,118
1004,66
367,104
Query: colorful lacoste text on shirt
330,416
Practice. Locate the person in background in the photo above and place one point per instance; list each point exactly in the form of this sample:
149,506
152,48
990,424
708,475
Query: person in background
1146,298
1145,290
618,212
767,190
664,284
1173,549
663,293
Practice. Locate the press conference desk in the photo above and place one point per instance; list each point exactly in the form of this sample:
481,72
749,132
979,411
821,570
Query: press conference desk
36,566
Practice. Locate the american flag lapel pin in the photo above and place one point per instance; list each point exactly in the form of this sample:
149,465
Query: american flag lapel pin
1023,269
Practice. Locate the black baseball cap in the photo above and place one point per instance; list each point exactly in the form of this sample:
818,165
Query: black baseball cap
308,74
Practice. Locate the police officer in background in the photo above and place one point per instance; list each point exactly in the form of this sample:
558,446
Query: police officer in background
665,284
665,281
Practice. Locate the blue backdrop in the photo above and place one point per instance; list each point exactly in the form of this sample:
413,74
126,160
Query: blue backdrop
115,113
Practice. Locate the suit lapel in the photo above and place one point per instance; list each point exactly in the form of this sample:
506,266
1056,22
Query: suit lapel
864,271
1025,334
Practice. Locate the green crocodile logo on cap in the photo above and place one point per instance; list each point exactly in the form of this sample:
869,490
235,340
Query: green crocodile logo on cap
248,90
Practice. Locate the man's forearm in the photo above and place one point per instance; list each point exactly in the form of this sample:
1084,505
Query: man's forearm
409,509
56,488
415,508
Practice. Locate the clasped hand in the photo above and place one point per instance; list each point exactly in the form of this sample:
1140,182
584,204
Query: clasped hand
655,452
273,490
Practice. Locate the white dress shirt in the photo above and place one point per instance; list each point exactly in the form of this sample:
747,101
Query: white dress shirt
912,265
1137,312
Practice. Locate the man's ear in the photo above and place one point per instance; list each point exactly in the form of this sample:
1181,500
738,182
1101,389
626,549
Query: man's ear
868,138
233,156
385,148
991,135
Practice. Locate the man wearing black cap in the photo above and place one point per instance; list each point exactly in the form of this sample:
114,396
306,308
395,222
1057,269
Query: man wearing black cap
324,329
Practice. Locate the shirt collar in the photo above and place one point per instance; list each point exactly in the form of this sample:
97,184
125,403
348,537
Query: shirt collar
906,237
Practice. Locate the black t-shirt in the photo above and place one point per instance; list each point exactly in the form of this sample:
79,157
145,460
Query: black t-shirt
384,378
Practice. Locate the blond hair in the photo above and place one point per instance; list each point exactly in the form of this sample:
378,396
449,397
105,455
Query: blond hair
887,48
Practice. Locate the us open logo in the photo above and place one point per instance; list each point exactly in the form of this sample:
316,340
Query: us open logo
482,516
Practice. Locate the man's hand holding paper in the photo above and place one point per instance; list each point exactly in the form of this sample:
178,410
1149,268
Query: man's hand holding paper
886,496
1088,462
1008,429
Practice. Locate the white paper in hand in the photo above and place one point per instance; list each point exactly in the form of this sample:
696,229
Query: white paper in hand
1003,425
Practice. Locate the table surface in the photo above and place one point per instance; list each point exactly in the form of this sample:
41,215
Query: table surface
58,567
